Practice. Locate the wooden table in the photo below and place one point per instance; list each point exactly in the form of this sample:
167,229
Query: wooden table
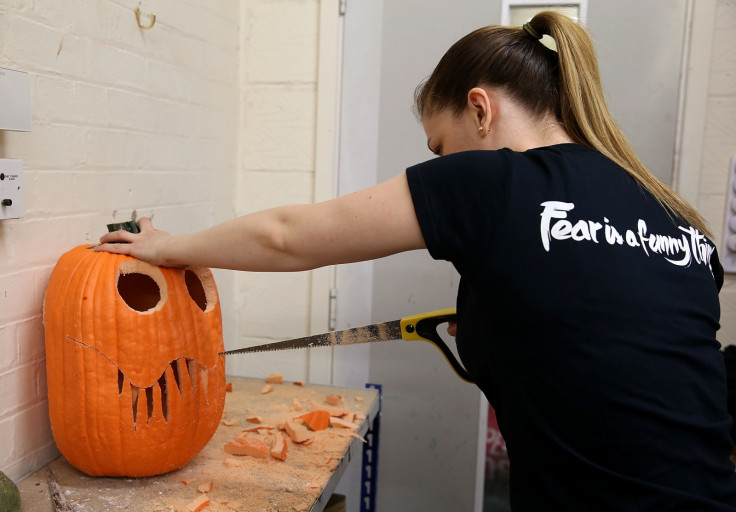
303,482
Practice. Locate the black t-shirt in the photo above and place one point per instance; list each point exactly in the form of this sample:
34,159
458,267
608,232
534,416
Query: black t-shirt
587,316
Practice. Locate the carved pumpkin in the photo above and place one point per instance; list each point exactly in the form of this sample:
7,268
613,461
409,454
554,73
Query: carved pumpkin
135,383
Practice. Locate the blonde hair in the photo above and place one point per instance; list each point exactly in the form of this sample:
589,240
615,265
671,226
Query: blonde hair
566,83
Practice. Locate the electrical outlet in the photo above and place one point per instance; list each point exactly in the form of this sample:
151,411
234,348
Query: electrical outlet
11,189
728,257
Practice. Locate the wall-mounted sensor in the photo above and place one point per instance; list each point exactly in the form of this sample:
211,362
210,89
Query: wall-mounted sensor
11,189
15,100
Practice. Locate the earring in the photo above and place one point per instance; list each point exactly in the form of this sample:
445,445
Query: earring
480,129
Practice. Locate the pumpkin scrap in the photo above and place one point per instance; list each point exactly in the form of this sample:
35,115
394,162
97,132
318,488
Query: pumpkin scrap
253,419
230,422
278,450
266,389
298,383
334,399
298,433
229,387
248,446
340,423
187,481
205,487
316,420
258,429
337,413
198,504
275,378
358,398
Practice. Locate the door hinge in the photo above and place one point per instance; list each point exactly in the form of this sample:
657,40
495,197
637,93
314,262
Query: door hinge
342,7
332,319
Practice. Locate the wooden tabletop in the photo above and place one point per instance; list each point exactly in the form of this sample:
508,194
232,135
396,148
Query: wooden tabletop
303,482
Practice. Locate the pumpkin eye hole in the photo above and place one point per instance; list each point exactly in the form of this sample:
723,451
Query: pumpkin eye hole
201,286
139,291
196,290
141,286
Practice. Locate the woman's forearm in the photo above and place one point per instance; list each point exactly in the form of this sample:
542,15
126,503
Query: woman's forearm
365,225
262,241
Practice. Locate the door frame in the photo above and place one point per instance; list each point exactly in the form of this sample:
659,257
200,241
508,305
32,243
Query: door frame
329,71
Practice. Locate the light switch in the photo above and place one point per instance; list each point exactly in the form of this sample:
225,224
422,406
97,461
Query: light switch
15,100
11,189
728,257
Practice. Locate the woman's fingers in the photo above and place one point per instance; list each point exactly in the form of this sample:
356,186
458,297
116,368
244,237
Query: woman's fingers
117,236
452,328
119,248
145,225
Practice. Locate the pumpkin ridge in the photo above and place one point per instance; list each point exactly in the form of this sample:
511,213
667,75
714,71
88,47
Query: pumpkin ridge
57,374
83,276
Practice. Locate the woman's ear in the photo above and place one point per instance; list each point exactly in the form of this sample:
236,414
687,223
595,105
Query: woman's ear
479,105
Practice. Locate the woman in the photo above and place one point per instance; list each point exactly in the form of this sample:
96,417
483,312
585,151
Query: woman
599,281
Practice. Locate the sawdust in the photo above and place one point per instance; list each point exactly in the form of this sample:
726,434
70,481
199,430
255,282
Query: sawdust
238,482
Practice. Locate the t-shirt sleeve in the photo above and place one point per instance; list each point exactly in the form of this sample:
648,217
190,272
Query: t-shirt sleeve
457,199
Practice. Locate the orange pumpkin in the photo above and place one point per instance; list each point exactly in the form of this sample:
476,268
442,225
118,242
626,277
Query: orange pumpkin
135,383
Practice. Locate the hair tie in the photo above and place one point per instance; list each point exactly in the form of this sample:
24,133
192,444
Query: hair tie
530,30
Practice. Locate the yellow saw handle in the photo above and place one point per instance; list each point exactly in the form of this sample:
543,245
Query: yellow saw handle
424,327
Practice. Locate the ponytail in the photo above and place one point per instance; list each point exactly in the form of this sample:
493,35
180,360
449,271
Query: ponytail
565,82
585,115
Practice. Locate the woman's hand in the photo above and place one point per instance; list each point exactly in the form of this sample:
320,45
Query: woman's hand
364,225
147,245
452,329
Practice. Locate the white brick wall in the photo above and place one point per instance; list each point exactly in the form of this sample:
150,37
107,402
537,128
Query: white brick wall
277,165
719,146
123,119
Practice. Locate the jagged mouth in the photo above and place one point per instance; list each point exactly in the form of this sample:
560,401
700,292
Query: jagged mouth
198,378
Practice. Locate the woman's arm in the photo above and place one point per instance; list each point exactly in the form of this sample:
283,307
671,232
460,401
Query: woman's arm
365,225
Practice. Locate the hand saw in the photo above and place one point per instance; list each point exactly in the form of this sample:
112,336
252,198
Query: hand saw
418,327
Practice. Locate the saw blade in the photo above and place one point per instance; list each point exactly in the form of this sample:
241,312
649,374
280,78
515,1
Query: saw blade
387,331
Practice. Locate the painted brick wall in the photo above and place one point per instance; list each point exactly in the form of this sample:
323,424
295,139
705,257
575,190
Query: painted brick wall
123,119
277,165
720,146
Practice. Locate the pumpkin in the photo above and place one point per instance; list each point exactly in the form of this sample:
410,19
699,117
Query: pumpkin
135,383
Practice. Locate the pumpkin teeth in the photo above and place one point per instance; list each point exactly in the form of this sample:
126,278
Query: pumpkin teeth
134,391
175,367
121,381
149,400
204,378
198,373
192,367
164,396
